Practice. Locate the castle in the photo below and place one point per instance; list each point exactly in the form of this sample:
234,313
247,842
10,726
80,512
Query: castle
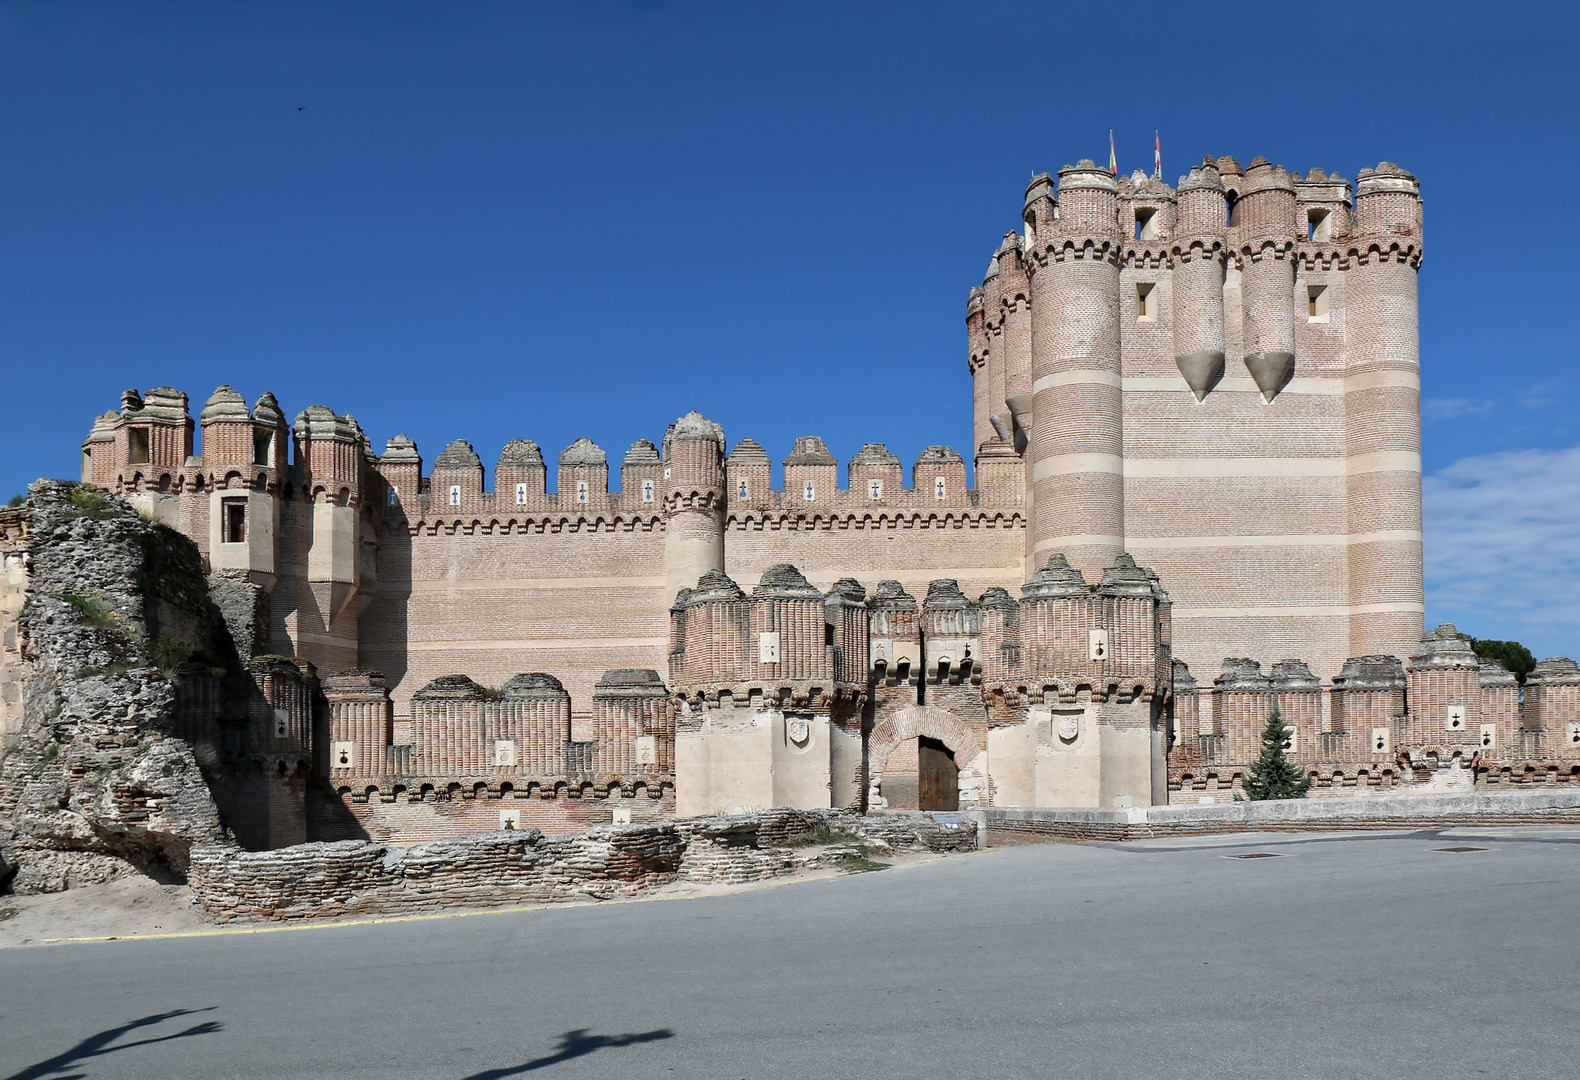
1196,418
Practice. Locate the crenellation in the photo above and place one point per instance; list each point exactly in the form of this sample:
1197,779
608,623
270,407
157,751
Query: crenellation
810,472
583,475
641,474
520,477
1148,212
875,473
457,477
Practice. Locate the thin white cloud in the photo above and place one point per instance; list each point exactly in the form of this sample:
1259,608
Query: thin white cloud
1539,395
1502,558
1435,409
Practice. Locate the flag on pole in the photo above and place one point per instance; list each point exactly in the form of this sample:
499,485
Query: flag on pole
1157,156
1113,163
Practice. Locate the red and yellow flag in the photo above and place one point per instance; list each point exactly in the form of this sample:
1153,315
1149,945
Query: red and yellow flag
1113,162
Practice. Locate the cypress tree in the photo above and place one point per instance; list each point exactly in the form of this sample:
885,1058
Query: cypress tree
1274,776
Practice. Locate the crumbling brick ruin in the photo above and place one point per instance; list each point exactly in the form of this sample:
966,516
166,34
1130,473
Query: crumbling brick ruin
1209,389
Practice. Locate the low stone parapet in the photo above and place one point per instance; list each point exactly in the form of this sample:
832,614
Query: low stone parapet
1448,810
351,877
514,866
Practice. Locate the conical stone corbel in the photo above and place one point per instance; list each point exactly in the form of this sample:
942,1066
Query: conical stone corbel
1272,372
1202,370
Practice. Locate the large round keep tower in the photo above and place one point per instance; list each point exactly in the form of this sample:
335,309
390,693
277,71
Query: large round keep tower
1382,411
1077,436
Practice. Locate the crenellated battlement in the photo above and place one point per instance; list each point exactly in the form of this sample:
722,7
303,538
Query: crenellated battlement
1442,718
249,451
465,737
1257,212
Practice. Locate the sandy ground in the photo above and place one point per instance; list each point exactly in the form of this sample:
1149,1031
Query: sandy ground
138,907
130,907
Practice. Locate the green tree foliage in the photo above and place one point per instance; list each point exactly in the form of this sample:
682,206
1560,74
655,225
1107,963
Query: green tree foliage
1274,776
17,500
1511,654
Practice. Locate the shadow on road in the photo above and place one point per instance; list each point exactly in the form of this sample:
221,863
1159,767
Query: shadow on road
574,1044
98,1045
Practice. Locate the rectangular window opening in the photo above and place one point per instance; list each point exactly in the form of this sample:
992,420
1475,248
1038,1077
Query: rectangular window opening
1317,303
262,443
1319,225
137,446
235,521
1147,223
1146,302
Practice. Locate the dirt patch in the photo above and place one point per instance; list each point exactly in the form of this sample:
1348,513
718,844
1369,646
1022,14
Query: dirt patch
137,907
128,907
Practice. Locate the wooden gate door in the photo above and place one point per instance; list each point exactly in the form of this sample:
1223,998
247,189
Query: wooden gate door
937,776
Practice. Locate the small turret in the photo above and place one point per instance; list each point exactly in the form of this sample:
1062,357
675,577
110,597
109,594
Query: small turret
1202,202
1198,314
154,436
977,349
330,452
329,448
1387,202
633,729
896,634
1444,692
693,501
1266,205
952,630
1040,209
1088,200
98,451
1009,366
244,454
1368,701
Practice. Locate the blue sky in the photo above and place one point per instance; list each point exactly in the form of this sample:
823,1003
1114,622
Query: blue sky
540,220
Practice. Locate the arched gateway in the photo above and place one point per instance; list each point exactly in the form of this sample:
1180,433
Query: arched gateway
922,757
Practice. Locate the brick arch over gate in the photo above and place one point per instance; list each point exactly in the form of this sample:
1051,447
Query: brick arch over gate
929,720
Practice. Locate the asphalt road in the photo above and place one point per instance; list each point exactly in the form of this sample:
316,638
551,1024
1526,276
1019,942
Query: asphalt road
1349,956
